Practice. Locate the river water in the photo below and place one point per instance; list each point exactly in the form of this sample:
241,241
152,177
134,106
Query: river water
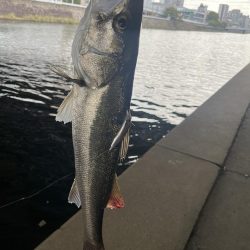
176,72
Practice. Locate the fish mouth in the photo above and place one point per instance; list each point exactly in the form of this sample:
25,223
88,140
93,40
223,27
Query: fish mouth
98,67
91,49
100,53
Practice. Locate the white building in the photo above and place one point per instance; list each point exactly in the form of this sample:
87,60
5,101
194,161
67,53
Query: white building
201,13
223,12
159,6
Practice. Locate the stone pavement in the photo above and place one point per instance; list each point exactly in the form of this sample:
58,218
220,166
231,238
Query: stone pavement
171,200
224,223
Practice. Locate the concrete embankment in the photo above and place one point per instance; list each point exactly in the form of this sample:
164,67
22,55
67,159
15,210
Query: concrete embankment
151,22
175,189
40,11
49,12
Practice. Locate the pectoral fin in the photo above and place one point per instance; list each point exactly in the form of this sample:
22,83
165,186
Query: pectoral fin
65,111
59,71
123,131
116,200
74,196
124,147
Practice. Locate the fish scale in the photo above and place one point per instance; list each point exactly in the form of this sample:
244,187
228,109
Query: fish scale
93,162
104,55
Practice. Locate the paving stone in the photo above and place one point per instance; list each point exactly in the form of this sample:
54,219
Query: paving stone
239,158
225,221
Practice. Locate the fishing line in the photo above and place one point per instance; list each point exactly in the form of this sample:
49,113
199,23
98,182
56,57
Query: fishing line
36,193
43,189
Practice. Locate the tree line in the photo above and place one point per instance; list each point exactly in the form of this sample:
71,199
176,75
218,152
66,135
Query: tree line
212,17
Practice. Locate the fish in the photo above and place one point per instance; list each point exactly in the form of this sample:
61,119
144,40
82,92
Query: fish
104,56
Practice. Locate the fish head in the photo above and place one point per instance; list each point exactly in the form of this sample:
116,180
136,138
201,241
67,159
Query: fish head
111,40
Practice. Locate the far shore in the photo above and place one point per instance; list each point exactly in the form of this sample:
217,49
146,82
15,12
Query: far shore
148,23
38,18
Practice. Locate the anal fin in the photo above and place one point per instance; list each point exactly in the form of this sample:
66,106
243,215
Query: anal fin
74,196
116,199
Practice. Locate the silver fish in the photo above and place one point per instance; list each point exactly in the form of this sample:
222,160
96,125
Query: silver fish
104,55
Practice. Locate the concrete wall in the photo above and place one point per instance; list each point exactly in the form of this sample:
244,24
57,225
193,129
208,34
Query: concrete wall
42,11
28,9
150,22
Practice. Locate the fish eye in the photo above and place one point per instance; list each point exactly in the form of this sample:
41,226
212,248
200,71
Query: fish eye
121,22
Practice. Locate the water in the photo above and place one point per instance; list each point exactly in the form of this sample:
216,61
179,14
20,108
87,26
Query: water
176,72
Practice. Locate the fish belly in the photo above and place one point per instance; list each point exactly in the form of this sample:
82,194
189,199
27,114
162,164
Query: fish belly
95,165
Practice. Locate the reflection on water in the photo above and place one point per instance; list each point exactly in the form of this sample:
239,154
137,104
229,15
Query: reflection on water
179,70
176,72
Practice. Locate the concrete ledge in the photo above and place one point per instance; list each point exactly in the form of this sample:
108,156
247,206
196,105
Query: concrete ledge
239,160
166,189
209,132
164,193
225,220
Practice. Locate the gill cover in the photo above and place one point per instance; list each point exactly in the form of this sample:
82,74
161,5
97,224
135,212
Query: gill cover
102,44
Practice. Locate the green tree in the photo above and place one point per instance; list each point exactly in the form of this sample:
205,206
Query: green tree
214,23
212,16
213,20
172,13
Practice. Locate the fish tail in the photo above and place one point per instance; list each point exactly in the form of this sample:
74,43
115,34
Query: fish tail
89,246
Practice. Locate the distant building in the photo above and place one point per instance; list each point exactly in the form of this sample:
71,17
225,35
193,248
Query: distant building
234,16
159,6
246,22
186,13
180,3
236,19
200,15
174,3
223,12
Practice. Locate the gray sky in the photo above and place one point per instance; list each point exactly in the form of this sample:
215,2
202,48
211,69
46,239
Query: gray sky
243,5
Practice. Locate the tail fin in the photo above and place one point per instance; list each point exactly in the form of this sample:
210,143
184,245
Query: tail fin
89,246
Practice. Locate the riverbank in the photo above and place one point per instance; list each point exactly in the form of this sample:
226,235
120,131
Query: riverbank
30,10
39,19
150,22
35,11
